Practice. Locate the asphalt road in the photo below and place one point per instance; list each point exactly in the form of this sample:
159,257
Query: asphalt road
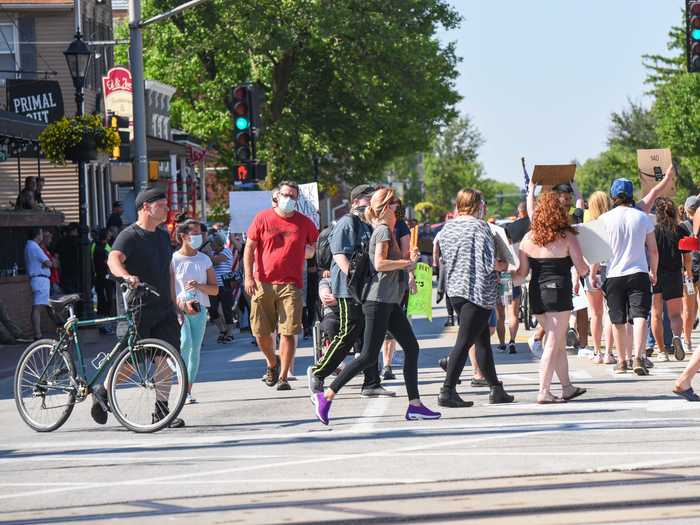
624,452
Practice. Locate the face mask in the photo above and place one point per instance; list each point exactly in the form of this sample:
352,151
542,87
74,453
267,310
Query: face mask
195,241
286,205
360,210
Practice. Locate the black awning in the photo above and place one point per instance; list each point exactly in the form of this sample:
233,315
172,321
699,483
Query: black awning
18,127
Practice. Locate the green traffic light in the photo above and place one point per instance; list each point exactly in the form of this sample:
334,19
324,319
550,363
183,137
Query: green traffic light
695,35
242,123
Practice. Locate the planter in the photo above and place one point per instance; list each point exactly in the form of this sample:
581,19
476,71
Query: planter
85,150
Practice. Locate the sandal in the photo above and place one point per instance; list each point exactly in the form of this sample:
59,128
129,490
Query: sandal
688,395
577,392
551,400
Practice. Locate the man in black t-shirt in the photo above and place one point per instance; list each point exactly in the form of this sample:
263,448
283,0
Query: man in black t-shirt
142,253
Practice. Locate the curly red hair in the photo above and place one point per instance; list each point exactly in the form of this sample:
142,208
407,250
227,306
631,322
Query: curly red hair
550,221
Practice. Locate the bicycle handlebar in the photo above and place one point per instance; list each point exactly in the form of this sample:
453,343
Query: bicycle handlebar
142,285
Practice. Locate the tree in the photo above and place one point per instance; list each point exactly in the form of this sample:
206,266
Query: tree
599,172
633,128
355,83
453,162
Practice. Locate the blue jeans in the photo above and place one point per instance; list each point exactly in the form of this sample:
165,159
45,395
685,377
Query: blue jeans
668,335
191,338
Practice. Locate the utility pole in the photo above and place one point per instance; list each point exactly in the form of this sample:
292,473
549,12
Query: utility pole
139,95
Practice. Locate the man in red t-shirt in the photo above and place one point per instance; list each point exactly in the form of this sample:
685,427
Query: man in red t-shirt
280,239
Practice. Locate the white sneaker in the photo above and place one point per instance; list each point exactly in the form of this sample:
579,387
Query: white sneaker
189,400
586,351
535,346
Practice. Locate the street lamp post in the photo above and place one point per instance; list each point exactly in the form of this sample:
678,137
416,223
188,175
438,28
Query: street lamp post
78,57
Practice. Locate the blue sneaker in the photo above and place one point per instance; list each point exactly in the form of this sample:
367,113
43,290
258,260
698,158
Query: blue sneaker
321,407
421,412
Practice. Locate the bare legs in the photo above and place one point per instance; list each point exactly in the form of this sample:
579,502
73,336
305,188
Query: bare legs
554,358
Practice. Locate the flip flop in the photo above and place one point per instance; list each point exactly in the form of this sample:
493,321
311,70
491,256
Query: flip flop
576,393
688,395
554,401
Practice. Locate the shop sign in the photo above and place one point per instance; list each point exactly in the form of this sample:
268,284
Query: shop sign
117,87
40,100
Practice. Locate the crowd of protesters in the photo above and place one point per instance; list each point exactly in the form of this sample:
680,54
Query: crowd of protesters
271,280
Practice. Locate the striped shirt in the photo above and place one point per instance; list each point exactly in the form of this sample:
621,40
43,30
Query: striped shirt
223,267
468,253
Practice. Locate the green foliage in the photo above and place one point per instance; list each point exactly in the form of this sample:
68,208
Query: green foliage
59,137
356,83
502,197
430,212
599,172
633,128
663,69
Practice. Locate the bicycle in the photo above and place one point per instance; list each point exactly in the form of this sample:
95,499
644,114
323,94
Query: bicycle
146,379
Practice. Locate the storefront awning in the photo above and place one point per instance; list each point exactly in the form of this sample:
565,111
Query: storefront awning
159,149
20,128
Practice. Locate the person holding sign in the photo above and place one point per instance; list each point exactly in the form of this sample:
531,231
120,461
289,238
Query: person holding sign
469,255
383,311
550,249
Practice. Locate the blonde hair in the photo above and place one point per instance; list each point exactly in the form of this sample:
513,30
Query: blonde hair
469,201
598,204
378,204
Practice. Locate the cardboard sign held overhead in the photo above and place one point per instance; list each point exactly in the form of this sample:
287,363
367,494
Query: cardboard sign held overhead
551,175
652,164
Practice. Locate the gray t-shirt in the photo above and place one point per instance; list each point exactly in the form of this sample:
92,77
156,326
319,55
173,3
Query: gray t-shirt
344,240
386,287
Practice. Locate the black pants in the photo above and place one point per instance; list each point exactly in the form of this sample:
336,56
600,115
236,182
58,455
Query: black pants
225,298
380,317
473,329
105,290
450,307
310,310
352,325
159,322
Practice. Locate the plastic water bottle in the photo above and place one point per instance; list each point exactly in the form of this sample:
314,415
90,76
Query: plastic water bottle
506,288
689,286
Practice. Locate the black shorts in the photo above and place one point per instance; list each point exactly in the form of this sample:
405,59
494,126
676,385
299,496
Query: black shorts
551,295
159,322
628,297
669,285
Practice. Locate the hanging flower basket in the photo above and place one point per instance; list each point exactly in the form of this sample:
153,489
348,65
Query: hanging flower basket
77,139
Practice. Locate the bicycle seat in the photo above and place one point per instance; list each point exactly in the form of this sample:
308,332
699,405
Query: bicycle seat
63,301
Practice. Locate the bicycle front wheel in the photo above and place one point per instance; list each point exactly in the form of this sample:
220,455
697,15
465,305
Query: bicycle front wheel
44,386
147,385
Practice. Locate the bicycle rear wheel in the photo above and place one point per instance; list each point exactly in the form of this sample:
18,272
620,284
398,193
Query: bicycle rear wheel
147,385
44,391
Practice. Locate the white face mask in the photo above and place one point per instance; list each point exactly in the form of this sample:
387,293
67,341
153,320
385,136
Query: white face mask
286,204
195,241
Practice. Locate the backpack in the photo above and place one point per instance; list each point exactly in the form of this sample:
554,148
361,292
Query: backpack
324,257
360,272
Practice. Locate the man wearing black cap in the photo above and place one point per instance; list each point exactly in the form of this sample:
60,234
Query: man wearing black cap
348,234
142,253
115,218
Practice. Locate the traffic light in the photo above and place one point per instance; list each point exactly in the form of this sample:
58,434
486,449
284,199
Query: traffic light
692,14
249,172
121,125
244,140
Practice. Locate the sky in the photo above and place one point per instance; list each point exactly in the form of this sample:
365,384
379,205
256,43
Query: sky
540,78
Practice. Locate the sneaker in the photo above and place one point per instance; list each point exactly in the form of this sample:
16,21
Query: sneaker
678,348
511,348
650,352
572,337
639,367
621,367
648,362
376,391
585,351
387,373
450,321
161,411
272,375
283,385
314,382
321,407
189,400
442,363
662,356
501,348
597,359
630,364
610,359
100,405
419,412
688,347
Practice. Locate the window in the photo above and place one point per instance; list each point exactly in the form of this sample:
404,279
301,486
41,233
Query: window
9,57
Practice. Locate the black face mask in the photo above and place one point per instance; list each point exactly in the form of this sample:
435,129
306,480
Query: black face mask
359,210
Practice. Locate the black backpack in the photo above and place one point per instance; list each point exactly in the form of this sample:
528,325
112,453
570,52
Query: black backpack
361,271
324,257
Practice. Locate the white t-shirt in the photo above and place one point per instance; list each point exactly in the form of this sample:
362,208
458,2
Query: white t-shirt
34,256
193,268
627,230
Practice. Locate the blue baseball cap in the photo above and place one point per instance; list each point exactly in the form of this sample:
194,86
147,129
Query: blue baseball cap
623,186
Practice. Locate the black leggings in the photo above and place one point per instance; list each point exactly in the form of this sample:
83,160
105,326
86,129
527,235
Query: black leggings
473,329
450,307
380,317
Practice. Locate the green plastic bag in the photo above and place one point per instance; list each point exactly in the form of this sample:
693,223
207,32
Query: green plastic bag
421,302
